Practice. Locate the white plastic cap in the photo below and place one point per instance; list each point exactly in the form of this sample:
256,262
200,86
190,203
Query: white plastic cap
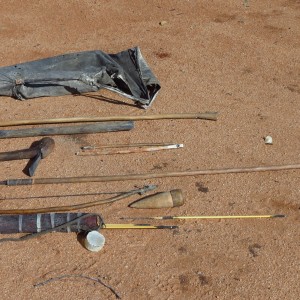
94,241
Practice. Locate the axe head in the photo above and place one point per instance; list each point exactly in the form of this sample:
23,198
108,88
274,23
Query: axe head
43,148
46,146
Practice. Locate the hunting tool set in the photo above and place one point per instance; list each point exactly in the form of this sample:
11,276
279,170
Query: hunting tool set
127,74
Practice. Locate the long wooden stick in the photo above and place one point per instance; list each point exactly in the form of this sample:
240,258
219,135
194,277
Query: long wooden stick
204,116
32,181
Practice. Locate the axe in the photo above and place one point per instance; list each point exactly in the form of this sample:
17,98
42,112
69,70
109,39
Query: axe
38,150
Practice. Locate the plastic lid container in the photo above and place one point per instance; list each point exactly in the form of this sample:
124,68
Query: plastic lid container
94,241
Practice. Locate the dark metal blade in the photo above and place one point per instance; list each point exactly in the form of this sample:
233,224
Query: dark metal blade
34,162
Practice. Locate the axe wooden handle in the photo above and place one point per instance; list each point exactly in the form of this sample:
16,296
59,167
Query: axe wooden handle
42,147
19,154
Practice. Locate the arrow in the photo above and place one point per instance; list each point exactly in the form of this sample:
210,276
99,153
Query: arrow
204,217
136,226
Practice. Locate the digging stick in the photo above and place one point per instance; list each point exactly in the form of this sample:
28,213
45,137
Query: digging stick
78,129
204,116
32,181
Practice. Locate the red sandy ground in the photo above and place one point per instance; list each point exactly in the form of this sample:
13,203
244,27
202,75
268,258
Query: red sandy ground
243,62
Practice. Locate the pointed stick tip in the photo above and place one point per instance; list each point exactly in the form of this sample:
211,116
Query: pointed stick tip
278,216
166,227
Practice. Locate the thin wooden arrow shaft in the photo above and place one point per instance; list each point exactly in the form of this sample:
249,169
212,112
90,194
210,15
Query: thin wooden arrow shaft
136,226
206,217
226,217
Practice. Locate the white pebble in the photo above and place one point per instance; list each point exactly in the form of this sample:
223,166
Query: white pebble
268,140
162,23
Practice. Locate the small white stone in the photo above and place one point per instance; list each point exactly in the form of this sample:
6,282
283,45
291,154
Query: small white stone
268,140
162,23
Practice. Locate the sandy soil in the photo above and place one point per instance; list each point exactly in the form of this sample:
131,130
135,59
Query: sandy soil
242,61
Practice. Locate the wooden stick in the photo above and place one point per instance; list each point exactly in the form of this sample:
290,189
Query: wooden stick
32,181
75,206
108,151
204,116
79,129
90,148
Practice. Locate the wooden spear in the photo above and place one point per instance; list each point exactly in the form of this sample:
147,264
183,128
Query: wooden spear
32,181
205,116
